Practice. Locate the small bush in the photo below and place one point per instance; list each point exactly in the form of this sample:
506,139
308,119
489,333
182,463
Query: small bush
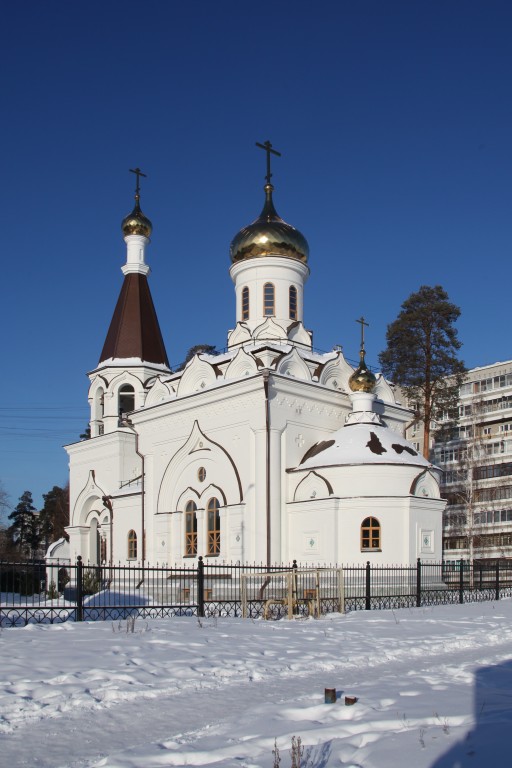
91,582
63,578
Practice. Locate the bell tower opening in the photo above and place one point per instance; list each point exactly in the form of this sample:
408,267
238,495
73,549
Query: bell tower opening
126,400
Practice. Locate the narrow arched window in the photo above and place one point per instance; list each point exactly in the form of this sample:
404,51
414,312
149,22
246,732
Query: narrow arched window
213,510
126,399
99,404
245,303
269,307
98,409
370,534
190,529
132,545
293,302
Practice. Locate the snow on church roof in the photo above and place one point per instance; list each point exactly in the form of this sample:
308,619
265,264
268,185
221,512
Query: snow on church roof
366,443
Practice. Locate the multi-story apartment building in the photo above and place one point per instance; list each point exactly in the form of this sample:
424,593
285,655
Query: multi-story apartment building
477,464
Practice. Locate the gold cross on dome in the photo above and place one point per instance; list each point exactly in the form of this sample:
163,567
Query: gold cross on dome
267,146
363,323
138,173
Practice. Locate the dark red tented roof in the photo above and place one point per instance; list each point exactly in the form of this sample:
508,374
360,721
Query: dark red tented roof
134,330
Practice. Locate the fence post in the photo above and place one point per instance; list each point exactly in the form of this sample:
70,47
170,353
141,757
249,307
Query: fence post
79,589
418,584
200,586
367,604
497,595
461,581
294,588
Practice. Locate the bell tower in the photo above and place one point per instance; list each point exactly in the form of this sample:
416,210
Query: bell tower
134,349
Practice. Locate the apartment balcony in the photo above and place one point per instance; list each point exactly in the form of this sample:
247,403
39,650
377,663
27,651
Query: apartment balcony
479,553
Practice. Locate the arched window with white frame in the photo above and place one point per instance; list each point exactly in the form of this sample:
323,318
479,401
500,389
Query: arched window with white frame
213,518
269,300
292,302
190,529
132,545
245,303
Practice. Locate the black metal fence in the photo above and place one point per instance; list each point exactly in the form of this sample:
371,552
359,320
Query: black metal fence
38,593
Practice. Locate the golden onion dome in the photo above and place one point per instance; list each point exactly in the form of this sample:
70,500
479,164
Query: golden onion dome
362,380
136,223
269,235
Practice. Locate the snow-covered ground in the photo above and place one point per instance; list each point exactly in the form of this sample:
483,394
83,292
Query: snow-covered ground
433,688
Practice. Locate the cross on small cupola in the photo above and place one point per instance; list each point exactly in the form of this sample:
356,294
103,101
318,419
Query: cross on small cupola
136,223
362,323
362,380
267,146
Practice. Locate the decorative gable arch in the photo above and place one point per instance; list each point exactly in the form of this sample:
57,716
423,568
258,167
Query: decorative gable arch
269,330
383,390
160,392
298,334
241,365
89,499
97,392
336,373
239,335
425,485
197,376
198,452
313,486
292,364
125,377
213,490
98,383
117,383
189,494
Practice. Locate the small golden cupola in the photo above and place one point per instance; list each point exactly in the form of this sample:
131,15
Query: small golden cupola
362,380
269,234
136,223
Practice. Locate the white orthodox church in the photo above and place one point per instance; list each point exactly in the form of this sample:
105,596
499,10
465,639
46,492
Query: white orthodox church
265,453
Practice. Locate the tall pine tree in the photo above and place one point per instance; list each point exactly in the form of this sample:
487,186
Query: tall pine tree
23,529
54,516
198,349
421,355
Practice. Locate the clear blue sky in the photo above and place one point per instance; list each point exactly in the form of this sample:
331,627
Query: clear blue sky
394,120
